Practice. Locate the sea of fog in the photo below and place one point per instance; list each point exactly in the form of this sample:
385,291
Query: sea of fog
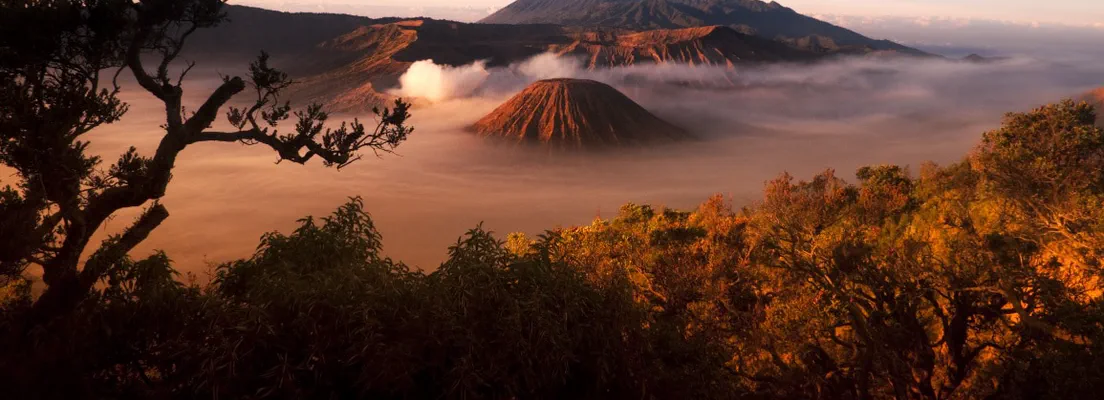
750,125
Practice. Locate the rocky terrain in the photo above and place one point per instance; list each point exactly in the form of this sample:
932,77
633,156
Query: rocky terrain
767,20
367,61
707,45
350,63
573,114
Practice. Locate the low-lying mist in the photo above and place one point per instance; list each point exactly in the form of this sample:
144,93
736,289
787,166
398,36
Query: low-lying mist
751,124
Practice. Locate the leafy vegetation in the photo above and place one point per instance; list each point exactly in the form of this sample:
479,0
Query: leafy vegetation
979,279
55,56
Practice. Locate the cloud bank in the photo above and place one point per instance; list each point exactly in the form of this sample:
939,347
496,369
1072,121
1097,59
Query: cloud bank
754,124
808,97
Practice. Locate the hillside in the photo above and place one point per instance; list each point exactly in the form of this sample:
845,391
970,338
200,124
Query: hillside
248,30
349,62
575,114
709,45
767,20
367,61
362,64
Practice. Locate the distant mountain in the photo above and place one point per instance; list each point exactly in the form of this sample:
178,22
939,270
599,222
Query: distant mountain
350,62
370,59
574,114
707,45
975,58
768,20
250,29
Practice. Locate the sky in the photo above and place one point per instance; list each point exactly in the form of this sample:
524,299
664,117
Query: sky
1075,12
1072,12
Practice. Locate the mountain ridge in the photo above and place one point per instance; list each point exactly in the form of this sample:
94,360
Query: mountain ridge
350,63
374,56
768,20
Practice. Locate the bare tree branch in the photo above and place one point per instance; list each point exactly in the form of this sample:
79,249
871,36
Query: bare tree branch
116,248
134,63
171,52
208,112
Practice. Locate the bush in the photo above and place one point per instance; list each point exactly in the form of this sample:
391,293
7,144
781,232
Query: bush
979,279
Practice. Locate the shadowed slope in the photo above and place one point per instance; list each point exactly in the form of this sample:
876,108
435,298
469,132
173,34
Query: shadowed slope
575,114
357,83
767,20
707,45
372,58
350,63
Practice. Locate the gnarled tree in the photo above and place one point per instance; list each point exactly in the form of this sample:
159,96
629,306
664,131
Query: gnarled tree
55,57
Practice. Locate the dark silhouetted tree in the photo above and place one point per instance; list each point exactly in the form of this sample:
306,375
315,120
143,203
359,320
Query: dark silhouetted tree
56,57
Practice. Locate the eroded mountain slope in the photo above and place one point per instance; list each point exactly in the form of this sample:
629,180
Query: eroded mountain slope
575,114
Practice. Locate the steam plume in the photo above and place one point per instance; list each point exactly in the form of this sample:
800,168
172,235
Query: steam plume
425,79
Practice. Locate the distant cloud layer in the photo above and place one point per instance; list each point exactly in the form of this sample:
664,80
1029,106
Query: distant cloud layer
753,124
1072,12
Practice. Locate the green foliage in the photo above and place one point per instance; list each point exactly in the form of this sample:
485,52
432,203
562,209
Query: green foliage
1047,169
1052,151
345,240
54,91
487,323
980,279
319,313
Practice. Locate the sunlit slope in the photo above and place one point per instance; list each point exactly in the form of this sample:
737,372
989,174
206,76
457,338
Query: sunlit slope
575,114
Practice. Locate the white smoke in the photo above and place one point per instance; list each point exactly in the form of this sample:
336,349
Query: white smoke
436,83
427,80
549,66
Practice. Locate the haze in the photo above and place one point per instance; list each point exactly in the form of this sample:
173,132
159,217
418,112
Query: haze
752,124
